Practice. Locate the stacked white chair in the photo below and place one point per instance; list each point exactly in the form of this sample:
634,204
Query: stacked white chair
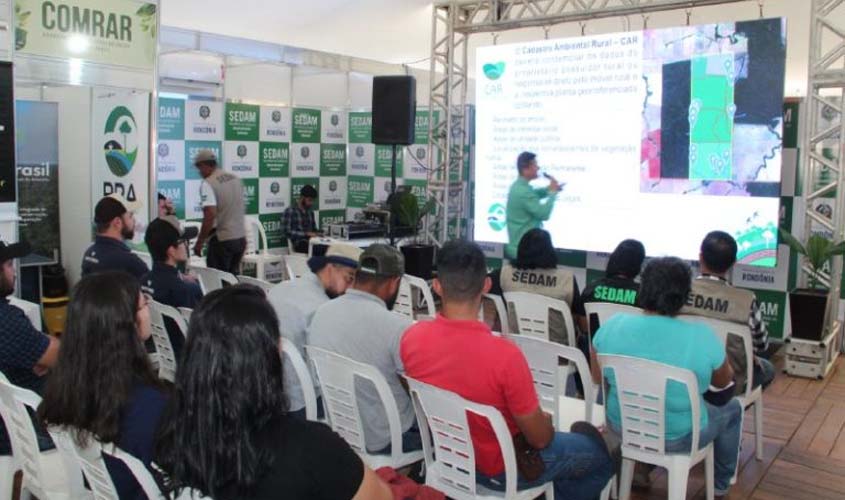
257,252
532,314
450,460
753,396
213,279
164,349
641,389
336,376
48,475
409,287
93,465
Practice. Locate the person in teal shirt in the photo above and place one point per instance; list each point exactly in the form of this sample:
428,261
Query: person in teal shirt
527,206
659,336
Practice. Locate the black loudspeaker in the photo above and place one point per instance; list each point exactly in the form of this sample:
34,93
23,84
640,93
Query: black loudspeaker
8,190
394,109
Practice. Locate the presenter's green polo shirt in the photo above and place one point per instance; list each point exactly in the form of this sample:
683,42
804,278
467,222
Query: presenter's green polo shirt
527,208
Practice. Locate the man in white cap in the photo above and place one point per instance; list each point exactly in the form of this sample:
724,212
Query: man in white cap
114,219
296,300
223,212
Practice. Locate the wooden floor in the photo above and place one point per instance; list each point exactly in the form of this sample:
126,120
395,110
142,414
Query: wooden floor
804,451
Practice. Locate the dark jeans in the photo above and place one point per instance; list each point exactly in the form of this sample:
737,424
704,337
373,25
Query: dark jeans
226,255
300,414
411,441
574,462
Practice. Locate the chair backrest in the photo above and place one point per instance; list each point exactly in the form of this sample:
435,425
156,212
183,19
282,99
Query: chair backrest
404,304
256,237
501,312
600,312
321,241
641,390
262,284
213,279
532,314
90,458
31,309
14,401
186,314
164,349
543,359
305,381
296,265
447,443
336,376
190,494
726,329
425,292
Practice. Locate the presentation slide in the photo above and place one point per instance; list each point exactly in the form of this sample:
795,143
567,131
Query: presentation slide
660,135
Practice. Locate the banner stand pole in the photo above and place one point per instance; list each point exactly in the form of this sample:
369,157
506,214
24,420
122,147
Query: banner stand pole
391,224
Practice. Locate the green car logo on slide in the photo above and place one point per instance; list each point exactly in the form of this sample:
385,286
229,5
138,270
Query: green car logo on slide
494,71
121,147
496,216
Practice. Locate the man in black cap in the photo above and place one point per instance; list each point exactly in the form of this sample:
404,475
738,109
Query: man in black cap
298,222
25,353
166,240
115,221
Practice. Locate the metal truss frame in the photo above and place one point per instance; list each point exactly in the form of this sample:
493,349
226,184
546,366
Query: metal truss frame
825,127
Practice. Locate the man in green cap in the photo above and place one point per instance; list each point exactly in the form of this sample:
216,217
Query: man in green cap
528,207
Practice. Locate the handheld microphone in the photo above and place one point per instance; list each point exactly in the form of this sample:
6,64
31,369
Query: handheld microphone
547,176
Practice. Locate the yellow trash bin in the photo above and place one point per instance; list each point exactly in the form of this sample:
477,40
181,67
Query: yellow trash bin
55,313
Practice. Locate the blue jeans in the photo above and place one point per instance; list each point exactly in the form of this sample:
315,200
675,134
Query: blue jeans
764,372
411,441
576,464
724,431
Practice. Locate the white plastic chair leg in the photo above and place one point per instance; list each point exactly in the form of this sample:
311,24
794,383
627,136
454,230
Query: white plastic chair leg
710,473
614,488
606,492
678,477
626,478
7,476
758,428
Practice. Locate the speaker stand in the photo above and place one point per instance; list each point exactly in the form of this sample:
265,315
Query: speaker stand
390,233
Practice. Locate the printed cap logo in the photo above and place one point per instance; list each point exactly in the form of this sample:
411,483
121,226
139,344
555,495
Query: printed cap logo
494,71
496,216
120,156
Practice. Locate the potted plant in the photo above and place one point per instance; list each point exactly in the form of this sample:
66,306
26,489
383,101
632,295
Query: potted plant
807,306
419,255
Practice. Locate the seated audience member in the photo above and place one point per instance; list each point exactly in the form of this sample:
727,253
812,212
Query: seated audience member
25,353
361,326
167,240
296,300
714,297
225,432
458,353
103,385
659,336
114,219
535,270
618,284
298,221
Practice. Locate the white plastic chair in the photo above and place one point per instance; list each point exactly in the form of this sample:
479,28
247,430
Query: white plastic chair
753,396
190,494
186,314
305,381
30,309
213,279
257,252
501,312
161,339
93,466
532,314
603,311
450,461
641,390
408,288
47,475
336,376
296,265
322,241
260,283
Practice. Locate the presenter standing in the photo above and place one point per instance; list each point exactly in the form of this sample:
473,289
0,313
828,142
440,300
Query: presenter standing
527,207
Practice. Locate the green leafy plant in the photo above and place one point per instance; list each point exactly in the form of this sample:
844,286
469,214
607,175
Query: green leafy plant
406,207
21,19
147,13
817,252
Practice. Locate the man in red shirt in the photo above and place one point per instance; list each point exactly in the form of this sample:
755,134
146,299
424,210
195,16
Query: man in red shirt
458,353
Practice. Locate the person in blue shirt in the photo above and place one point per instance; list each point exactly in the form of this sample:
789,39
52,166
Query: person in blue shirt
659,336
114,219
103,385
166,239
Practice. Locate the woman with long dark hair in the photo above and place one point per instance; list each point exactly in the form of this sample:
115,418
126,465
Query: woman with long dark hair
103,385
226,432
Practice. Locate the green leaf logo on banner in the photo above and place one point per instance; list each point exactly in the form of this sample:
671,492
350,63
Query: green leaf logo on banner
496,216
120,132
494,71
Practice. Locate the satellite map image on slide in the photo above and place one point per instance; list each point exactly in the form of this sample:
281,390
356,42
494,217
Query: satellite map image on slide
712,113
